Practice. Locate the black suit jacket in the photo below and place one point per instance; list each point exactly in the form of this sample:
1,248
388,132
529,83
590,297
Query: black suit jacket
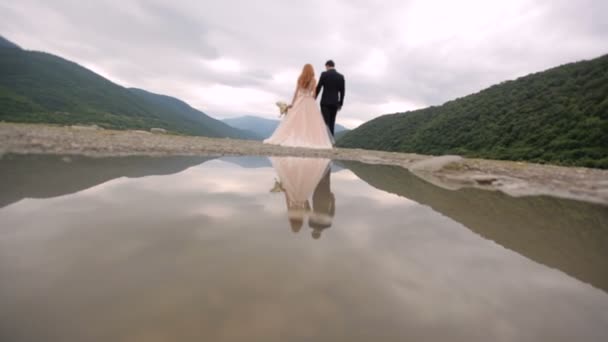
332,83
323,202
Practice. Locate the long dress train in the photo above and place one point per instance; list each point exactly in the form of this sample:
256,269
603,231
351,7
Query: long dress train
299,177
303,125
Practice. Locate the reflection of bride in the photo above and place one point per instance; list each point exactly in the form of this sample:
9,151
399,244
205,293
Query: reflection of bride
299,178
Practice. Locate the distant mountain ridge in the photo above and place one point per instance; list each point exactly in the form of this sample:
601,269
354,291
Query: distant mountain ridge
263,127
556,116
42,88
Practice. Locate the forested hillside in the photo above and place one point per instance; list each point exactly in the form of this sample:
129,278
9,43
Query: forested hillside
557,116
43,88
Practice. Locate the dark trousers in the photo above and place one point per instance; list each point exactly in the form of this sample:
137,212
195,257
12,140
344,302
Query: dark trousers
329,116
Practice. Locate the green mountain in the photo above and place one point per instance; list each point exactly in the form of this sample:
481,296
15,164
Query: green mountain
4,43
558,116
40,87
263,127
187,114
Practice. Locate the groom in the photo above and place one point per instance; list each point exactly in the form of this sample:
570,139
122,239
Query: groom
332,100
323,206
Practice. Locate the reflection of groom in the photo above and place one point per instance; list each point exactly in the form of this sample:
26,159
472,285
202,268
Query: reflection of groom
332,100
323,206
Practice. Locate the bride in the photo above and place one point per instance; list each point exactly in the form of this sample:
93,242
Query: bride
303,125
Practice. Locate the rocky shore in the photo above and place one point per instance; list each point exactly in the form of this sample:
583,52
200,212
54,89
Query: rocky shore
451,172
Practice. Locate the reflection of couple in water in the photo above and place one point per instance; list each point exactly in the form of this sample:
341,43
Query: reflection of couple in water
301,179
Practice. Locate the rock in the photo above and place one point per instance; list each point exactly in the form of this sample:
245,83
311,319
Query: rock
484,179
140,132
371,159
86,127
158,130
434,164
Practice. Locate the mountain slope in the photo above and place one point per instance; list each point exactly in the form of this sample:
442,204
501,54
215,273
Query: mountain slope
260,126
4,43
188,114
558,116
40,87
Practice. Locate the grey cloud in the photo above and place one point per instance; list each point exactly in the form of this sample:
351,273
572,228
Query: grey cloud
429,56
136,26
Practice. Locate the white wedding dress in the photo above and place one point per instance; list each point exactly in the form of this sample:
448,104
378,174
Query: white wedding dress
299,177
303,125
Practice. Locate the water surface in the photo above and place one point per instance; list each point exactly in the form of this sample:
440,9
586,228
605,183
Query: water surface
288,249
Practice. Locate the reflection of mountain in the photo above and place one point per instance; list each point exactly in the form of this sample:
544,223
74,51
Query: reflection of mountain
253,162
336,166
50,176
262,162
249,162
568,235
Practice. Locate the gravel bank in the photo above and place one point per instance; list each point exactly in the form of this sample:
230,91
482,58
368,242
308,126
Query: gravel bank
452,172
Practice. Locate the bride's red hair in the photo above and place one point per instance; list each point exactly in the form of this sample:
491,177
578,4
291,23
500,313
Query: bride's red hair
306,77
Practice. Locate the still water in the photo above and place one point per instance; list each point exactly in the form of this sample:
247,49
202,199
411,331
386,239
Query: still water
288,249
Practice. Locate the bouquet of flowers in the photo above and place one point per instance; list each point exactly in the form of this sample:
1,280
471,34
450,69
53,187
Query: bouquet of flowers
278,186
283,108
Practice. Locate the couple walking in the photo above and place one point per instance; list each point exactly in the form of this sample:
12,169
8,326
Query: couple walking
305,183
304,125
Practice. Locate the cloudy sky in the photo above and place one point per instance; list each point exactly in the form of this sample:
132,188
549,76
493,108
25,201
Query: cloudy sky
230,58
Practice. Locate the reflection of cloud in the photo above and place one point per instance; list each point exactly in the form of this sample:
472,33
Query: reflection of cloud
208,253
364,188
218,211
215,176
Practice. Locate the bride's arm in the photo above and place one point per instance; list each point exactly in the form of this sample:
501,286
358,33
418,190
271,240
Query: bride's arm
313,87
295,94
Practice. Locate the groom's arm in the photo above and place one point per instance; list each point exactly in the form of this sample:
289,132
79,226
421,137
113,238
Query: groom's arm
342,91
320,84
